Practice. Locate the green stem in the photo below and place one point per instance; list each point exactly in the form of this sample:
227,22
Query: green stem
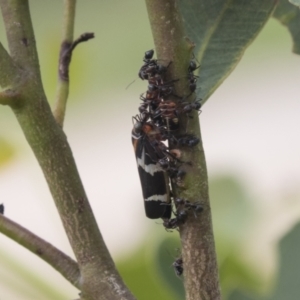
69,20
66,266
198,248
62,90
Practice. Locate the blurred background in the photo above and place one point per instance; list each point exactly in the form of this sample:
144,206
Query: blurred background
250,130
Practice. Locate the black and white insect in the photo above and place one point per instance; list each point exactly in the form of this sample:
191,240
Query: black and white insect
149,149
1,209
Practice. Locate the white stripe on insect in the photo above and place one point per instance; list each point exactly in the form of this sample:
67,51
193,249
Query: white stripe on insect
135,135
162,198
151,168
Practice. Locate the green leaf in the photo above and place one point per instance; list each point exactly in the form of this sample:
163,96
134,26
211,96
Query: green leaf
25,282
233,217
289,15
232,209
221,31
295,2
287,285
167,252
236,273
140,273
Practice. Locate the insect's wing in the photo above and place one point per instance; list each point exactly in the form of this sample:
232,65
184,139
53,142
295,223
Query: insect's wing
154,183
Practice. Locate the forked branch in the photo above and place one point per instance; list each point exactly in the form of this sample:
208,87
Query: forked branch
99,277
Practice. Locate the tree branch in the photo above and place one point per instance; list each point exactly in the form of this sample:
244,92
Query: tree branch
62,90
20,36
99,277
198,249
66,266
8,70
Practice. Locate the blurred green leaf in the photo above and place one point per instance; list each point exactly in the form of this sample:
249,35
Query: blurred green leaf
288,281
6,151
167,252
237,295
287,286
289,15
235,273
232,209
221,31
25,282
141,275
233,216
295,2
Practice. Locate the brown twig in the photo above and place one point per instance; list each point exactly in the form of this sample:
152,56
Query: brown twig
63,74
66,266
66,54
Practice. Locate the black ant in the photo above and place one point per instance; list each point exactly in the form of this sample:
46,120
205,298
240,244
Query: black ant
188,107
188,140
181,203
178,266
150,67
180,218
191,77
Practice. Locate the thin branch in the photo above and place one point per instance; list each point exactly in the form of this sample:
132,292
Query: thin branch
20,36
69,20
66,50
66,266
8,71
62,90
66,54
198,249
63,71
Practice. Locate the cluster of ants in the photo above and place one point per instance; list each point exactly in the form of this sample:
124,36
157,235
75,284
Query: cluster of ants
157,122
